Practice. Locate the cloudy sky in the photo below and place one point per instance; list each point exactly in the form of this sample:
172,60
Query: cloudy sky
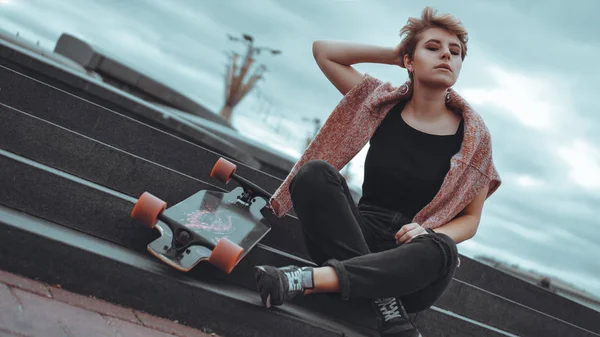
531,73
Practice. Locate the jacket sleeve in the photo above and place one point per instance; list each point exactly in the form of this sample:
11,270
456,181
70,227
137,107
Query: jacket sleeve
492,174
487,164
323,146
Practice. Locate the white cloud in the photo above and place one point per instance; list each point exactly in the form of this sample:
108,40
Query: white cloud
252,128
529,234
523,181
277,15
535,100
528,181
583,160
357,168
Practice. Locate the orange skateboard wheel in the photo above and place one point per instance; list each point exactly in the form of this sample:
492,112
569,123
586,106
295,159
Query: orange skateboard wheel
223,170
147,209
225,255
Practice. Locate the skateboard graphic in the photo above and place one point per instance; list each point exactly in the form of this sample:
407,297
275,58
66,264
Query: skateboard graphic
209,225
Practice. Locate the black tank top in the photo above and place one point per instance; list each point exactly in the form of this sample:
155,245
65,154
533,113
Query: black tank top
405,167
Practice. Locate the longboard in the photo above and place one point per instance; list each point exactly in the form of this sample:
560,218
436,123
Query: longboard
218,227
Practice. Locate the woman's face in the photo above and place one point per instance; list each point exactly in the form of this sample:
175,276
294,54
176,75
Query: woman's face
437,59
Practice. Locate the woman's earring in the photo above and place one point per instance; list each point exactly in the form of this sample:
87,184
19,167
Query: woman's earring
404,88
447,95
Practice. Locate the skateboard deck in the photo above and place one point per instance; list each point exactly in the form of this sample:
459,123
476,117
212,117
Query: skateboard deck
221,227
212,215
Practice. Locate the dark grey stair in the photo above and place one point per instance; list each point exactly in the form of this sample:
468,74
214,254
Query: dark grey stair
112,128
483,306
16,87
87,265
507,286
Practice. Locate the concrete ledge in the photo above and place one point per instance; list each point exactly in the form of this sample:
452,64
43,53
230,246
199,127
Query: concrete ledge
93,58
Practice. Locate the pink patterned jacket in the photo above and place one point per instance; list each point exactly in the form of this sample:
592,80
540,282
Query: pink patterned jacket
354,120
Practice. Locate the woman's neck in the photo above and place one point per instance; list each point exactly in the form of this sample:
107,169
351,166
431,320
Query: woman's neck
427,103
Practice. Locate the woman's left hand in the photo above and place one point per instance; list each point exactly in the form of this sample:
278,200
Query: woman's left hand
409,232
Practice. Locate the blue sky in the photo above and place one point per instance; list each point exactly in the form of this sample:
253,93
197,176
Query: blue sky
531,73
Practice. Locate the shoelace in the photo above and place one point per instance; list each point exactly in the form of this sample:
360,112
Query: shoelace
294,280
388,308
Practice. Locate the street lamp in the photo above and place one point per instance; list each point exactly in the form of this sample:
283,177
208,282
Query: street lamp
235,91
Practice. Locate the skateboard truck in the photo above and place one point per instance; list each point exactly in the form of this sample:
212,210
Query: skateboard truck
250,190
224,171
183,238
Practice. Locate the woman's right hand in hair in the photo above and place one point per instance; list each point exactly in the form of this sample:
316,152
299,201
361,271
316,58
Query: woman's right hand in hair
335,58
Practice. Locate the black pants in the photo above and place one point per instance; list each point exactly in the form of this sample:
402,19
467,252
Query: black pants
358,242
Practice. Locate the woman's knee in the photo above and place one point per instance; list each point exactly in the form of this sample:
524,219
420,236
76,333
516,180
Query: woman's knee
449,250
441,248
312,175
446,253
449,243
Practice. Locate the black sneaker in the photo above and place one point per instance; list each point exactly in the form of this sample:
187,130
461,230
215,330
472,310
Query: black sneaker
393,319
277,285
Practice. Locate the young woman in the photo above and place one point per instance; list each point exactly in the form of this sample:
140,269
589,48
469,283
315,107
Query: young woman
428,171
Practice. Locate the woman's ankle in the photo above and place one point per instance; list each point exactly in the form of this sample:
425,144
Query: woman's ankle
325,281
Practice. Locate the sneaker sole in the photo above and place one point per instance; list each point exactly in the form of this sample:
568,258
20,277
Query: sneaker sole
258,274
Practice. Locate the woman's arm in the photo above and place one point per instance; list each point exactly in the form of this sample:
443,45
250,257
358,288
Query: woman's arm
465,226
347,53
335,58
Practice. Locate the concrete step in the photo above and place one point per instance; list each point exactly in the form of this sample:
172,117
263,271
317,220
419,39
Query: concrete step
59,107
502,315
510,316
507,286
95,267
16,85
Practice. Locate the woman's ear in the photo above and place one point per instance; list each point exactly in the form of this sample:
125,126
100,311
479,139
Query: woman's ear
408,63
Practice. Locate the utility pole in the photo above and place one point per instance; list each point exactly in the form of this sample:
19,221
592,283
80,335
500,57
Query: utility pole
235,90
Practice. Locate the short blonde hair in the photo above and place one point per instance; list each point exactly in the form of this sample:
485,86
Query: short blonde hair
430,19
